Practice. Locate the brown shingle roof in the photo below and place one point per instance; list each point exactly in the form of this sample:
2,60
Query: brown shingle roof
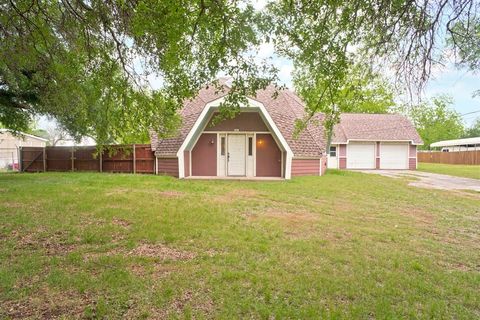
375,127
284,110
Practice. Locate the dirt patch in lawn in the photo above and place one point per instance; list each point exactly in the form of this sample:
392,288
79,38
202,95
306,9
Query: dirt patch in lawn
46,304
161,252
157,251
453,266
121,223
53,244
196,302
13,205
178,305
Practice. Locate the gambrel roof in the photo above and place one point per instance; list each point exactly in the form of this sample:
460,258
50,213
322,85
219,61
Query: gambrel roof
284,107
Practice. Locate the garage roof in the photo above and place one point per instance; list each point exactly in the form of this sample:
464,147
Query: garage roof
375,127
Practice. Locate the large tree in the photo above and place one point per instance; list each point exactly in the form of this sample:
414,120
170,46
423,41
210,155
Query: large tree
435,120
401,39
86,63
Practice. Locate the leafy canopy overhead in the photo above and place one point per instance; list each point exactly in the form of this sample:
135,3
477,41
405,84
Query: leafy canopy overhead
87,63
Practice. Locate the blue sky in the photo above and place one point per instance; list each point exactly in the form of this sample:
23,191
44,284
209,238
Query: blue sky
460,85
448,80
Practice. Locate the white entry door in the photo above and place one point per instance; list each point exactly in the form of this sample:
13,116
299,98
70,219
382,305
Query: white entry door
361,155
236,155
394,156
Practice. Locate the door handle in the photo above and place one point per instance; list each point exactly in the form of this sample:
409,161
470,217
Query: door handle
228,156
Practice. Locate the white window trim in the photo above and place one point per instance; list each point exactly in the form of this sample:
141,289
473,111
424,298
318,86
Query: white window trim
215,104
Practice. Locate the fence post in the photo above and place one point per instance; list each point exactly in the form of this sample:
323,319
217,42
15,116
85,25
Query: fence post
20,159
73,158
134,160
44,159
101,159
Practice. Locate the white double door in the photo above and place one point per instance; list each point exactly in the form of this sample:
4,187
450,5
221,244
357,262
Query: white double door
236,162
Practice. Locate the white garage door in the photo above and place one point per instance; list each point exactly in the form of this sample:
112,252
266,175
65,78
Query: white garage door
393,156
361,155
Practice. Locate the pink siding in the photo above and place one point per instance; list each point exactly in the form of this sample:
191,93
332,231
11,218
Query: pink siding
413,151
412,163
412,160
342,156
343,150
269,157
168,166
204,156
186,162
245,121
305,167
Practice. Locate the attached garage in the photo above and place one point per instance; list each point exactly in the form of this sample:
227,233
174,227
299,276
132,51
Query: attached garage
361,155
394,156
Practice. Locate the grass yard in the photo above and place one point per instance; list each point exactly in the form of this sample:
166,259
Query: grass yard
347,245
458,170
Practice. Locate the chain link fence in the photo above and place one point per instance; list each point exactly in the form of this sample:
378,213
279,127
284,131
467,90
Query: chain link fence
9,159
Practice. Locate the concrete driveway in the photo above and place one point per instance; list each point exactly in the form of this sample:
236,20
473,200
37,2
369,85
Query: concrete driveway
431,180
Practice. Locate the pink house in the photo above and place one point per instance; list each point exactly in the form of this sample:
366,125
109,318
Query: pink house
258,142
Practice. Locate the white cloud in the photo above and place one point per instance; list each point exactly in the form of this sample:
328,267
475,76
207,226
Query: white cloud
285,73
259,4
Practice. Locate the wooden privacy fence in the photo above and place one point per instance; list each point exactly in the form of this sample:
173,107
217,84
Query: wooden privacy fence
455,157
136,158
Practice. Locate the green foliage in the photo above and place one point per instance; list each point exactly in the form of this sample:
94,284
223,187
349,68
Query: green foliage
359,90
400,38
86,64
466,38
473,131
436,121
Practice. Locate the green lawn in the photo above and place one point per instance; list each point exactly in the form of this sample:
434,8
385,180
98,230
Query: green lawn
458,170
346,245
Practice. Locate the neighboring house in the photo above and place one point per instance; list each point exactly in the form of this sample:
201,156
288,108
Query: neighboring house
9,144
467,144
260,141
374,141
